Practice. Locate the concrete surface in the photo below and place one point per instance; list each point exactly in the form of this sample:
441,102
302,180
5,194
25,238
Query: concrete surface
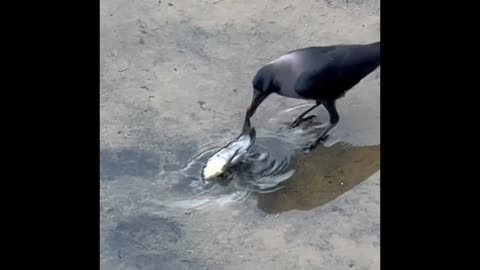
176,77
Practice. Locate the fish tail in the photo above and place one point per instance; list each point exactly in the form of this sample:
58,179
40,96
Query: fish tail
246,126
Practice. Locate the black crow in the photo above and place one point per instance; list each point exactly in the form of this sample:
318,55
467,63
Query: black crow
322,74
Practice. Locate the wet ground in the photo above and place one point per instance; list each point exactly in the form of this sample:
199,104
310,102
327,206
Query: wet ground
175,82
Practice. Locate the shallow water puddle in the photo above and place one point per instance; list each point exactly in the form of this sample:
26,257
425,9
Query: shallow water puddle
279,174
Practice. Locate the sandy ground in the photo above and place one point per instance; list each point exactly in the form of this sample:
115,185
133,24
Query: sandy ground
176,75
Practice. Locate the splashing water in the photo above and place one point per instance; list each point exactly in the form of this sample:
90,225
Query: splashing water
263,170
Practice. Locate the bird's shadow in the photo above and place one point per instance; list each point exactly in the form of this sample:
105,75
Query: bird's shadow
321,176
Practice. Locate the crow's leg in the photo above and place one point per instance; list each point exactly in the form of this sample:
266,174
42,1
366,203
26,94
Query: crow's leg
301,117
334,118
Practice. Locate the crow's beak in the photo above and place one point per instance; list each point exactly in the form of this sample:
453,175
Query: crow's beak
258,98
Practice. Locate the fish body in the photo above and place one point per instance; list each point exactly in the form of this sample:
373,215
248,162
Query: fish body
230,154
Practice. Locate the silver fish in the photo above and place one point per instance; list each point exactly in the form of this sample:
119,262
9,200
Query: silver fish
230,154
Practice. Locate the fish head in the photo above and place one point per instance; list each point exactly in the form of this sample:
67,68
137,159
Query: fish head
230,154
216,166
